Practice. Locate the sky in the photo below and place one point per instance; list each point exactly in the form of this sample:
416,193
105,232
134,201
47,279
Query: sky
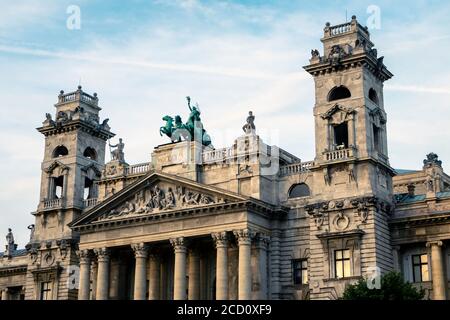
144,57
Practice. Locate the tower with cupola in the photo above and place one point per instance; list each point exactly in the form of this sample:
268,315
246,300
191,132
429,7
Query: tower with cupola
74,156
352,177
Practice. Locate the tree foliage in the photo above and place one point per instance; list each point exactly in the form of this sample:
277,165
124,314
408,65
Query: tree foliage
393,287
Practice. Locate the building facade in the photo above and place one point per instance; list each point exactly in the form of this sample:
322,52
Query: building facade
249,221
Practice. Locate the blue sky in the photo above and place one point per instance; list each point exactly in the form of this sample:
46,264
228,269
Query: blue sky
144,57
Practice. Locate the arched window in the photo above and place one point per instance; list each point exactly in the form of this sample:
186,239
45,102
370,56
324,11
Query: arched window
299,190
60,151
338,93
90,153
373,96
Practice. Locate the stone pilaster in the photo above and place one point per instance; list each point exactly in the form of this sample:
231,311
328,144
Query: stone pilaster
140,273
244,238
261,244
194,274
179,291
437,270
155,274
85,274
103,257
221,241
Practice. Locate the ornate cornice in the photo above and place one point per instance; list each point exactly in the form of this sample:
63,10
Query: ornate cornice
9,271
74,125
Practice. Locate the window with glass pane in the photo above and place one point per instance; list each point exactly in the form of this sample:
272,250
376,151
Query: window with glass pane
420,268
342,263
46,291
300,268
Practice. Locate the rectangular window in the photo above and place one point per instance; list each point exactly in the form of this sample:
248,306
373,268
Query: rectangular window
300,271
376,138
341,136
342,263
46,291
420,268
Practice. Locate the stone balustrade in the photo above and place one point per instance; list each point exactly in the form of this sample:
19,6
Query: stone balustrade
341,154
89,202
296,168
340,29
78,95
138,168
218,155
53,203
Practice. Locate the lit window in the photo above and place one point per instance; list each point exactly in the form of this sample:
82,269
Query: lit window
342,263
420,268
46,291
300,270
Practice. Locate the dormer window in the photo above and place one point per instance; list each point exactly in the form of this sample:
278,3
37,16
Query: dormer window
60,151
339,93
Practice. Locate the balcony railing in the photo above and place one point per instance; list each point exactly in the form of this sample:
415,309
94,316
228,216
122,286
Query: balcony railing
78,95
341,154
296,168
53,203
138,168
89,202
340,29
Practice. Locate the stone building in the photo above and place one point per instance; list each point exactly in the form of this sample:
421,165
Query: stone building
250,221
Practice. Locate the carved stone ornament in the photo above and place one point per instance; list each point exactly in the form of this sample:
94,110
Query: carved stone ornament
178,244
244,236
341,221
158,199
140,250
220,239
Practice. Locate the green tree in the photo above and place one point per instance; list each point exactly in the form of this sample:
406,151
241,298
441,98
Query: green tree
393,287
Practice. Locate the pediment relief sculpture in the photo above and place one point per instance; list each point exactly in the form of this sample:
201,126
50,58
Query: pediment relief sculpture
159,198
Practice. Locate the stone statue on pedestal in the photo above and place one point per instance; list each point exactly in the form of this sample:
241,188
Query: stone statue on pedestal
249,127
118,154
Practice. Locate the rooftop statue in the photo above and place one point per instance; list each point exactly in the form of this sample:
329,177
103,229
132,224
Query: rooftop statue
249,127
117,154
192,130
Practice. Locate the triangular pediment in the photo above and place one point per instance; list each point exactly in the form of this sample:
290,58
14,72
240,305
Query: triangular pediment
335,109
157,193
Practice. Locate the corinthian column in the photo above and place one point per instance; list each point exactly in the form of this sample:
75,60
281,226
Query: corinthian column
155,273
244,238
437,271
85,275
194,274
103,256
179,290
221,242
140,272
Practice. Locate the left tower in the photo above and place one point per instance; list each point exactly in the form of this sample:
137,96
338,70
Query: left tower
74,156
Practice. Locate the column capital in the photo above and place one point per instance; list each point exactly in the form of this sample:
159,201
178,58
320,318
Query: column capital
244,236
262,240
140,250
84,256
438,243
179,244
103,254
221,239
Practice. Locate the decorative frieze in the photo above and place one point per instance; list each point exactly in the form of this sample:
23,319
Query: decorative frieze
159,199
